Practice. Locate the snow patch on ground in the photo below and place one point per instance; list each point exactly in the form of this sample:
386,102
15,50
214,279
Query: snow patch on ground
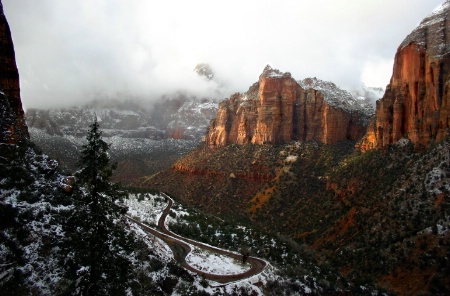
215,263
291,159
160,248
146,207
403,142
435,180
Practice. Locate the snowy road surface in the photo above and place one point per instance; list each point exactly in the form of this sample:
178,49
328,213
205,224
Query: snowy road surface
182,248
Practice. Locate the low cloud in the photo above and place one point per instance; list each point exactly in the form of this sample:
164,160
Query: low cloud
71,51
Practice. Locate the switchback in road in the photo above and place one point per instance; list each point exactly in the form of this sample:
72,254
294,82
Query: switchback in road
180,248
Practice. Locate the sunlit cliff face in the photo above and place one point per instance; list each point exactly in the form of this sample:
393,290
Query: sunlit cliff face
279,110
416,104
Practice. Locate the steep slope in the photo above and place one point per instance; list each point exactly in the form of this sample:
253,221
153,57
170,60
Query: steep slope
416,104
12,119
379,217
35,253
277,109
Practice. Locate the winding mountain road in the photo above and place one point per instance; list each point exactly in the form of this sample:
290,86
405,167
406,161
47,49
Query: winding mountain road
180,248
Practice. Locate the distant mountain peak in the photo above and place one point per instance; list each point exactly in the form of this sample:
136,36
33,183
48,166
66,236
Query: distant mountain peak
204,70
271,72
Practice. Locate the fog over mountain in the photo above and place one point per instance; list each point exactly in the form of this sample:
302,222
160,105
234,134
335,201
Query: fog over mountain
71,51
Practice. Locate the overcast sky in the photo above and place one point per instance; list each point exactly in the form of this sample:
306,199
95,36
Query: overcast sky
69,51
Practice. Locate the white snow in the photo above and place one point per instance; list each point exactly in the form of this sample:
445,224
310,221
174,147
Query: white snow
150,208
45,270
119,145
215,263
291,159
335,96
403,142
160,248
147,210
434,179
430,34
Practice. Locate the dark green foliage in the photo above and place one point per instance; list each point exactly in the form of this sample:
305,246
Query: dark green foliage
134,160
39,257
28,193
363,215
293,260
9,222
96,242
13,166
12,235
11,282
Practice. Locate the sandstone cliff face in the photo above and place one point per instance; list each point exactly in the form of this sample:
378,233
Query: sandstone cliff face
416,104
12,119
277,109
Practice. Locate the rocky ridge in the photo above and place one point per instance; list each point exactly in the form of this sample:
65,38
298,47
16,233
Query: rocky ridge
380,217
277,109
144,140
178,118
12,119
416,104
336,97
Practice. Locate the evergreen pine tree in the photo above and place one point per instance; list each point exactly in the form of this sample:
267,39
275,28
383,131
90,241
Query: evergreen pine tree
96,243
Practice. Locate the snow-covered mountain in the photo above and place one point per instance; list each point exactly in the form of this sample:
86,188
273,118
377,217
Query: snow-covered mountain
130,118
338,97
145,137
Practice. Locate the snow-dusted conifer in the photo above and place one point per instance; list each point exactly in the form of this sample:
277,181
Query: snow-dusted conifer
97,244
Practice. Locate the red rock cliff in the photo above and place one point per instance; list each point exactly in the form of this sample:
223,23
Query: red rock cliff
416,104
12,121
277,109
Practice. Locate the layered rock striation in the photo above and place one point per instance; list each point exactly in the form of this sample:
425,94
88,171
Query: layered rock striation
416,104
277,109
12,120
